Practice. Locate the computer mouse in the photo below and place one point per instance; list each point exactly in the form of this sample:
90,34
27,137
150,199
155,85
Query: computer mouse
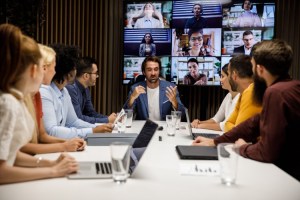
160,128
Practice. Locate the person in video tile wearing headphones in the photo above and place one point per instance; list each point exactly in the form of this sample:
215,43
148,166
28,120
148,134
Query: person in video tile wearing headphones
196,21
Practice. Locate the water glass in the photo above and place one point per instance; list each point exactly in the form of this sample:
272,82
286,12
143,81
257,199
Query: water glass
171,124
121,123
228,157
120,160
177,115
129,113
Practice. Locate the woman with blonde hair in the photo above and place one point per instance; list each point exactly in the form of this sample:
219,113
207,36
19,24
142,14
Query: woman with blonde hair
50,144
22,74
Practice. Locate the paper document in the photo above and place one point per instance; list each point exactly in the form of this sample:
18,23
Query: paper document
200,169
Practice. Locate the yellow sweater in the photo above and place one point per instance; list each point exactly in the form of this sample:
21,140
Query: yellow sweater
244,109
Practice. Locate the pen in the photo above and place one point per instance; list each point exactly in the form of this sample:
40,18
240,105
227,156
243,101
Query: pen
165,101
159,138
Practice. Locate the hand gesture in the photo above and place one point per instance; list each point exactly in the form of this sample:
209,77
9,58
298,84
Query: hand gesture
105,128
112,117
202,141
65,164
137,91
195,123
171,94
75,144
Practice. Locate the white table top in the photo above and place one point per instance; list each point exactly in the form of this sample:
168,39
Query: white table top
157,176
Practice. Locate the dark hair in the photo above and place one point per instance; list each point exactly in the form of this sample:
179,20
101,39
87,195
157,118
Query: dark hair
198,4
197,30
242,65
85,65
225,69
275,55
192,60
244,3
247,33
151,38
67,58
151,59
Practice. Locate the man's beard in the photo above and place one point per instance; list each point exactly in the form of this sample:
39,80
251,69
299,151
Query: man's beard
233,85
259,89
153,79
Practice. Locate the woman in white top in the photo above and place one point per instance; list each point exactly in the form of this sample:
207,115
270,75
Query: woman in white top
22,73
226,108
149,18
247,18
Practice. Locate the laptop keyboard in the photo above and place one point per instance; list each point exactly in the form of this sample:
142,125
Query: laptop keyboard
103,168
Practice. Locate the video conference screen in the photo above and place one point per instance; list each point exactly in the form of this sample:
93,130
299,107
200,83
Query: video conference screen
194,39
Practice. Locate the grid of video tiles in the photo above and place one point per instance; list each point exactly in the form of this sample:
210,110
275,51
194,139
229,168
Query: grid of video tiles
210,31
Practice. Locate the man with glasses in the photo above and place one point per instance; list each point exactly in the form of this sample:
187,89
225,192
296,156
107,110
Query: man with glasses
87,74
193,77
248,40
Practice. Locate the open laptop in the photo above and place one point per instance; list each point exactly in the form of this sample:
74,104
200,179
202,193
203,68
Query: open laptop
195,135
97,170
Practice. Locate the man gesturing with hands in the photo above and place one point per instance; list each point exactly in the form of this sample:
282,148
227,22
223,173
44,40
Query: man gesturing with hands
153,98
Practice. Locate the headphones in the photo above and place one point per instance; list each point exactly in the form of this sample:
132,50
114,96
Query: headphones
250,3
201,9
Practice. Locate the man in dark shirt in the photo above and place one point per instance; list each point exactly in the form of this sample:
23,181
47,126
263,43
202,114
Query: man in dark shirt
87,73
196,21
272,136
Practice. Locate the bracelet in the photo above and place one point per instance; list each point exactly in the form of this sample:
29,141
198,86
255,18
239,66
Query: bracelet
38,161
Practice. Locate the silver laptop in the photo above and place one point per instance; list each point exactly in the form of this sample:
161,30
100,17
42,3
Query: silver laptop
97,170
195,135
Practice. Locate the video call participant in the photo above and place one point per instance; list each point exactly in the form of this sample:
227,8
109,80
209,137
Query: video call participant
241,80
86,76
147,46
22,73
248,39
227,106
247,18
60,118
197,47
41,141
149,18
193,77
197,21
153,98
277,127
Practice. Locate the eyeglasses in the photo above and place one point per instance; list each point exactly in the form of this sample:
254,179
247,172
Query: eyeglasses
197,38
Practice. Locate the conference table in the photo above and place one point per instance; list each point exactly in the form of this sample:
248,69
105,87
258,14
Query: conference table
160,174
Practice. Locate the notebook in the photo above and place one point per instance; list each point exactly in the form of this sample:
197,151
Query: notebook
195,135
197,152
97,170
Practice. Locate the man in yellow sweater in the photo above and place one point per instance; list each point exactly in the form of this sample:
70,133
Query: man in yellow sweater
240,78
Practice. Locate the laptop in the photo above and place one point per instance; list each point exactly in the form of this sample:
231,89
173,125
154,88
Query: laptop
195,135
99,170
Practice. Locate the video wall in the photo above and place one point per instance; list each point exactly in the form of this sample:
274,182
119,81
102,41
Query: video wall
211,31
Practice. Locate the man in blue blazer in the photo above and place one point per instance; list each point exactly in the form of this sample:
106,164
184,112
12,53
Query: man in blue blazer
153,98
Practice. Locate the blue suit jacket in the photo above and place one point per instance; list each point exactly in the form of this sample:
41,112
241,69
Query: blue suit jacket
140,105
